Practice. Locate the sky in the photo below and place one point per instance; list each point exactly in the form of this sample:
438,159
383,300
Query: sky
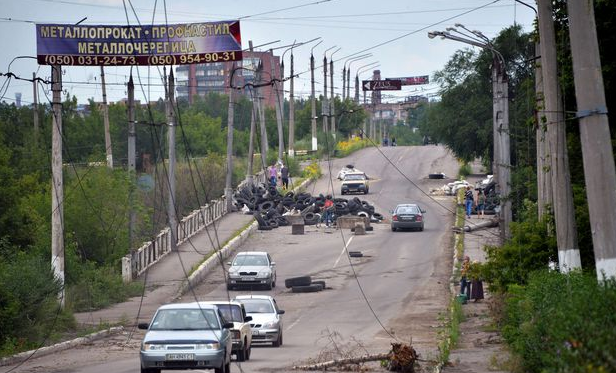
394,31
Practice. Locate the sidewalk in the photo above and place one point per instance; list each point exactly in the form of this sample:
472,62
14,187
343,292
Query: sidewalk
480,348
164,279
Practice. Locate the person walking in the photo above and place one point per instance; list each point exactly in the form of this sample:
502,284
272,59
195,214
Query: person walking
481,203
465,286
273,175
284,176
468,200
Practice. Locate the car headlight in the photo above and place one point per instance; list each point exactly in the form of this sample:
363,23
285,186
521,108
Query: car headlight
208,346
153,347
269,324
264,273
233,272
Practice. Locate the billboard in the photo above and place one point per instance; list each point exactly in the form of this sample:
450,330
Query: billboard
413,80
113,45
381,85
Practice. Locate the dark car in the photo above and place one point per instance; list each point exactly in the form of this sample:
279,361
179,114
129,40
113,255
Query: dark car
407,216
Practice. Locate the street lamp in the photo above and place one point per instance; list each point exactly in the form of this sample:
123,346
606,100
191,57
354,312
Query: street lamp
500,88
313,121
332,103
359,69
349,72
344,74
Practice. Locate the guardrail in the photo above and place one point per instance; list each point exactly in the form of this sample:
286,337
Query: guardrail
152,251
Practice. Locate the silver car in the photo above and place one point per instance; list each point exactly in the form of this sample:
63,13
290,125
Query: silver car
407,216
266,318
253,268
186,336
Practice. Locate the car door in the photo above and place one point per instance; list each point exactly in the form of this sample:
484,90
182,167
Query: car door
272,266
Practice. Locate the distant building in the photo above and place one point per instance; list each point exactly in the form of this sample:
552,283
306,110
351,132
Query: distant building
200,79
18,99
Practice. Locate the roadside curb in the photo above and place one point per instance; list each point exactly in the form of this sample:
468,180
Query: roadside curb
47,350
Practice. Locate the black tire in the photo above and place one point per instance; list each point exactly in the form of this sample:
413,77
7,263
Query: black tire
278,342
265,206
319,282
241,354
307,288
377,216
229,287
355,254
393,229
366,192
273,223
421,229
369,228
297,281
150,370
436,176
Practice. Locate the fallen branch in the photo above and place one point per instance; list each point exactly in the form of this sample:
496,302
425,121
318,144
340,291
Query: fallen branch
338,362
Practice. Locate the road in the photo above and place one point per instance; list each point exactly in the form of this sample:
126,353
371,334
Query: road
395,292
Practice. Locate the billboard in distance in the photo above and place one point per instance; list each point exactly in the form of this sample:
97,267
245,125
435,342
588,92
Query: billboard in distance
113,45
413,80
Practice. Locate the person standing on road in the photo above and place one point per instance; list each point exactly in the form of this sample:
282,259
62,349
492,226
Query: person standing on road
273,173
468,200
284,176
328,206
481,203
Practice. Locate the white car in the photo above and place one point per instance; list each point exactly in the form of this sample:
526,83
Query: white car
241,333
252,268
266,318
347,169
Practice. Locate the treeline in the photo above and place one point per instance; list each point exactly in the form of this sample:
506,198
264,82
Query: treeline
553,322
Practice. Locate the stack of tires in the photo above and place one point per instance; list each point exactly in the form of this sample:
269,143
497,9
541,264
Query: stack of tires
304,284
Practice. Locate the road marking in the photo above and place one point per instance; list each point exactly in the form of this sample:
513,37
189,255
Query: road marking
295,323
344,249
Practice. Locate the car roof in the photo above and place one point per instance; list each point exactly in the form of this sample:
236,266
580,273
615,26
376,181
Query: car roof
252,253
255,296
222,302
193,305
407,204
355,173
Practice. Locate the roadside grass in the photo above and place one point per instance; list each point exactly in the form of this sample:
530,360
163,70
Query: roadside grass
465,170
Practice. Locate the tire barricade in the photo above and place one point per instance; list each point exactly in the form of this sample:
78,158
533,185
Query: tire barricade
268,206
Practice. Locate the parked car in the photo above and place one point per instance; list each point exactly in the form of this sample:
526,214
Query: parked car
355,182
407,216
241,333
266,318
186,336
254,268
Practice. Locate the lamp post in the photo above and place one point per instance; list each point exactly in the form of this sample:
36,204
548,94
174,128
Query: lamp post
345,83
324,103
313,120
359,71
358,58
332,103
500,113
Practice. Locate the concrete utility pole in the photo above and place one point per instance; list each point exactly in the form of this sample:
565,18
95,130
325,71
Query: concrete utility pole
564,211
171,212
106,121
57,184
264,145
344,81
313,119
35,107
598,157
544,174
230,119
132,217
251,140
279,96
324,104
291,112
332,103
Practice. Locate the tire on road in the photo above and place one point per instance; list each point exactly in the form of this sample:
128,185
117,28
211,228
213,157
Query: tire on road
313,288
319,282
297,281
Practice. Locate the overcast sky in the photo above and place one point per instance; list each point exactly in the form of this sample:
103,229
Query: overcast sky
352,25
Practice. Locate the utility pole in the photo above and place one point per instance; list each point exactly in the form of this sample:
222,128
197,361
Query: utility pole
313,119
264,144
251,140
278,97
106,121
35,108
57,184
332,104
132,217
171,213
357,88
544,174
348,93
599,172
324,104
291,112
230,119
343,80
564,211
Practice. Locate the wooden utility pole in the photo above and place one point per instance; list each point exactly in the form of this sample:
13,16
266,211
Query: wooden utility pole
313,119
106,121
251,140
324,104
599,172
57,184
277,104
564,211
35,107
291,111
171,211
544,174
230,119
132,174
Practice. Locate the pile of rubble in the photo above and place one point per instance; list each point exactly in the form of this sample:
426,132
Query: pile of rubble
273,209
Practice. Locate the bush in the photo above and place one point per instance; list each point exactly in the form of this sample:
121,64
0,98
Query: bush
562,323
465,170
346,147
312,171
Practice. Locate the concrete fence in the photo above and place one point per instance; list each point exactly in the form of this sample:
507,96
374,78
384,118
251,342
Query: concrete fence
152,251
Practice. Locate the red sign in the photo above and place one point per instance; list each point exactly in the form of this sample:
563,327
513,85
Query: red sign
413,80
381,85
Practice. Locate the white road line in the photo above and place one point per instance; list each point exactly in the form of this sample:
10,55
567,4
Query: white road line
295,323
346,246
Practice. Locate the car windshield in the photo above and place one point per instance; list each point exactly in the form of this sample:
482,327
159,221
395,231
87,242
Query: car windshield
258,306
354,177
403,210
185,319
250,260
231,312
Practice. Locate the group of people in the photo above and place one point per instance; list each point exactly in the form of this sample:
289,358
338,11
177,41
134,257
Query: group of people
471,284
469,202
284,175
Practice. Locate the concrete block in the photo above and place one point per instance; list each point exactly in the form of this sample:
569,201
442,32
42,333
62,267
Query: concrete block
297,229
360,229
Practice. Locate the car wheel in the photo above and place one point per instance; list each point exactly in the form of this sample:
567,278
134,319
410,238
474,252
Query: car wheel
366,192
393,229
278,342
421,228
224,368
229,287
150,370
241,354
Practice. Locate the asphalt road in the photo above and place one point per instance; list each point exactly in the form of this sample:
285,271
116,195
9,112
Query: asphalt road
395,292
